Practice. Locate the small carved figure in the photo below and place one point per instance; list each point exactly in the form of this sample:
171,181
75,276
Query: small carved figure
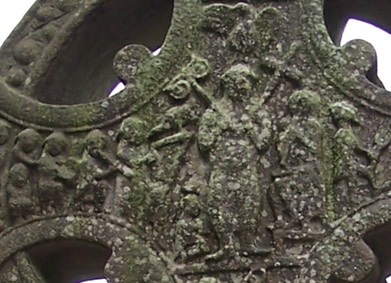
27,148
19,193
346,146
345,116
172,135
53,172
94,186
191,230
297,194
133,185
300,144
376,168
25,152
234,138
5,132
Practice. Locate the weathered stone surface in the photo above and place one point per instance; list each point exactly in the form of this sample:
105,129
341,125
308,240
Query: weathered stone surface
251,149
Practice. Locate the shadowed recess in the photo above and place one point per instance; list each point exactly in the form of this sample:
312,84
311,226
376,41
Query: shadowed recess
70,261
82,72
379,241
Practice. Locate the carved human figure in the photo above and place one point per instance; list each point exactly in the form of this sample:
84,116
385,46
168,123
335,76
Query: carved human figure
26,152
191,230
54,174
5,131
27,148
136,190
19,193
234,136
300,143
345,147
297,193
345,116
172,135
95,186
375,167
132,192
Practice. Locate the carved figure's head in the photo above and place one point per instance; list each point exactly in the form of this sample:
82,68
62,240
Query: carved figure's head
304,101
191,205
5,130
18,175
237,82
55,144
95,143
344,112
179,88
133,130
28,140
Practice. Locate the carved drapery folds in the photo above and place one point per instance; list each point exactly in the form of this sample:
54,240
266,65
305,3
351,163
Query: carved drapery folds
251,149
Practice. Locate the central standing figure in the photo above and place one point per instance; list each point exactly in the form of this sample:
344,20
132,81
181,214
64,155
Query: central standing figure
235,132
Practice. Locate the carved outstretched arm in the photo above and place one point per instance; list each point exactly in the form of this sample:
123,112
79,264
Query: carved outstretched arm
150,157
176,138
175,118
105,173
110,162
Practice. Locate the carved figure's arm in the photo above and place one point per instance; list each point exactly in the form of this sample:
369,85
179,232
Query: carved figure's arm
23,157
150,157
105,173
176,138
210,128
261,131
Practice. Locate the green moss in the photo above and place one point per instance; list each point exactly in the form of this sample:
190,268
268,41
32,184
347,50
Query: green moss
328,173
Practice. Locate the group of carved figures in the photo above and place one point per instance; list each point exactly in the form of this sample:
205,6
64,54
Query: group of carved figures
60,175
118,171
317,147
39,175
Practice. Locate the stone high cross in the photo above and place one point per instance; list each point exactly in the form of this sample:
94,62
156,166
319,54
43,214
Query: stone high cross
251,149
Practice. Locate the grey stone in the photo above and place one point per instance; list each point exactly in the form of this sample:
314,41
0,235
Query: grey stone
250,149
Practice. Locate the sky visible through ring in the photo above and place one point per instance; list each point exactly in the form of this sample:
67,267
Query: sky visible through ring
11,13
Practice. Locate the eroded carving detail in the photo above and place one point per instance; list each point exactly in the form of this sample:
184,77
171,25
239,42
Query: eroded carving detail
233,135
249,163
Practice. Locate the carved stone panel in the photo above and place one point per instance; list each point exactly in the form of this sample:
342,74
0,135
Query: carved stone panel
250,149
